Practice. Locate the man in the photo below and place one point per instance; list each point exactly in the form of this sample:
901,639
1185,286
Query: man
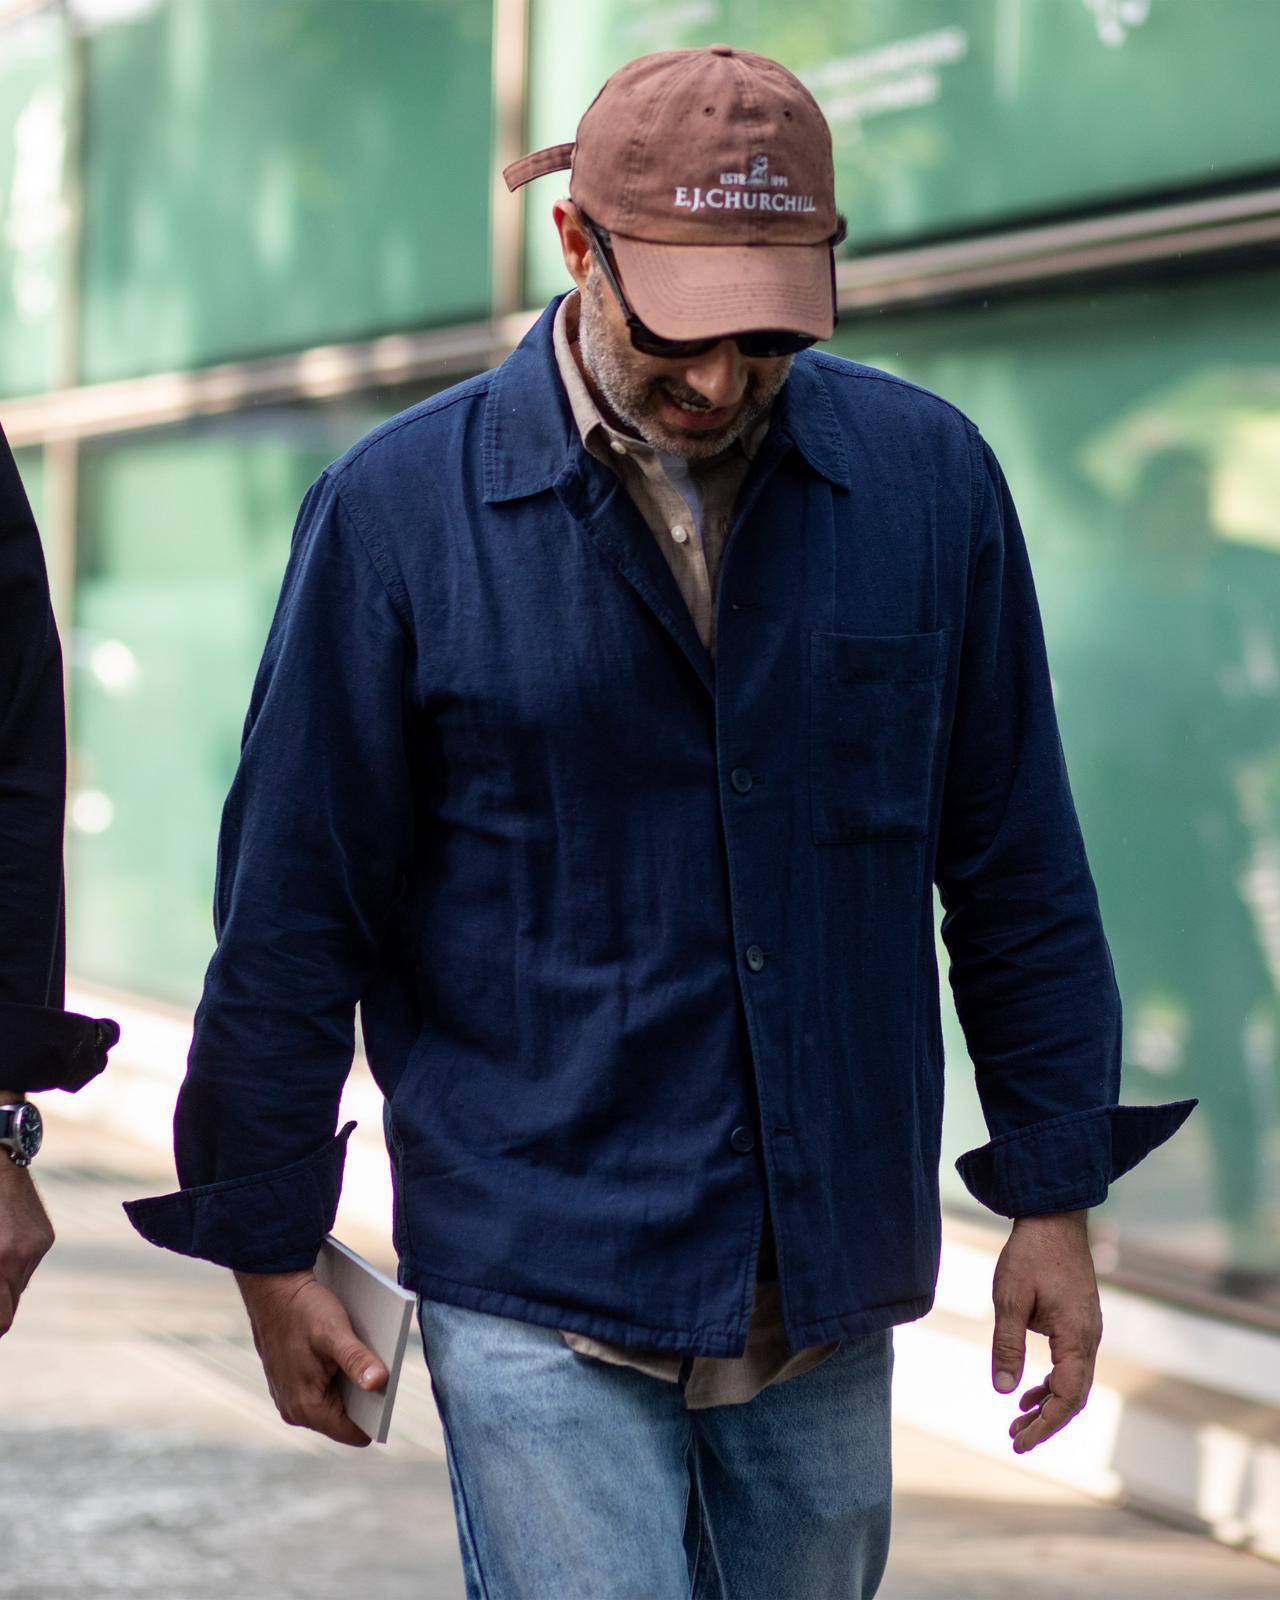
44,1047
620,707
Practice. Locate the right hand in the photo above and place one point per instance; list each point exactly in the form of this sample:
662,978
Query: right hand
26,1235
305,1338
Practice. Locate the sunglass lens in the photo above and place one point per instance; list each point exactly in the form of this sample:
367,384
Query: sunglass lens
650,344
773,344
752,345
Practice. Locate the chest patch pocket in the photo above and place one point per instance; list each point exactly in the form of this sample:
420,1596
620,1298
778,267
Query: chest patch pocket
874,705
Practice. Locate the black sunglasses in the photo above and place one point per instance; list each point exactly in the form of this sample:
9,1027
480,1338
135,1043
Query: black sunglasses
769,342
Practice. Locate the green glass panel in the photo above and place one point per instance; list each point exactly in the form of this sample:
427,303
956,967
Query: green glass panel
269,177
32,213
1140,431
948,114
182,544
31,470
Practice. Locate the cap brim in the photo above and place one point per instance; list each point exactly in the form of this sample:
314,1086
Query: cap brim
699,291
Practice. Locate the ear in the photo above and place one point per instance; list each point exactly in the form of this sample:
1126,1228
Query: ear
573,241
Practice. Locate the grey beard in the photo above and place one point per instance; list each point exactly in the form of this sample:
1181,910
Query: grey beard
629,397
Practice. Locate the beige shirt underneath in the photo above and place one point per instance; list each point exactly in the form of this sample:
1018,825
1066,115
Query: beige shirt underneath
693,544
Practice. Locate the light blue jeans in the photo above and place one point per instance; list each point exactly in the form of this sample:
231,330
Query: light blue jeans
577,1480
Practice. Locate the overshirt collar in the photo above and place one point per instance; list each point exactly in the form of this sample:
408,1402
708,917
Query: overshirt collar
804,414
531,438
529,432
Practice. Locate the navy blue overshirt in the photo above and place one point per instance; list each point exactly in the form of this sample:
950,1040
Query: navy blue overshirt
641,945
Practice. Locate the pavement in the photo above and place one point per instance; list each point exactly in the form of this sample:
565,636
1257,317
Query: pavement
140,1456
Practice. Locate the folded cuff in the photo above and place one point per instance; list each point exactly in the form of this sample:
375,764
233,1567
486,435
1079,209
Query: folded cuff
265,1222
1067,1163
48,1049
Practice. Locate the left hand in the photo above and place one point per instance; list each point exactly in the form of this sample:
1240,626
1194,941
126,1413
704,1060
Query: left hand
1044,1281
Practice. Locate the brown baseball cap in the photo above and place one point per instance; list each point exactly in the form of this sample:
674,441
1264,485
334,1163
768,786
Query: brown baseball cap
712,171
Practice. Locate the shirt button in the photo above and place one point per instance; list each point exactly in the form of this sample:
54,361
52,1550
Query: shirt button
755,957
741,779
679,534
617,446
742,1140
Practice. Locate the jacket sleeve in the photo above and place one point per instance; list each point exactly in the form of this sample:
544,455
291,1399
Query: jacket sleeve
314,839
41,1045
1030,970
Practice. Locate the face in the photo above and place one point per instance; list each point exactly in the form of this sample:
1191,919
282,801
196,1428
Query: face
694,407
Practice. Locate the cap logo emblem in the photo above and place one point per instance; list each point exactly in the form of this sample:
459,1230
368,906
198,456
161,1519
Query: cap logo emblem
759,174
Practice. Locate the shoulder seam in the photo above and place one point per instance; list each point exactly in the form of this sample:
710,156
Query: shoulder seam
856,370
424,408
375,553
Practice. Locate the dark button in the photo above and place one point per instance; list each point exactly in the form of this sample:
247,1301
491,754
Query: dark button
720,49
741,779
755,957
742,1140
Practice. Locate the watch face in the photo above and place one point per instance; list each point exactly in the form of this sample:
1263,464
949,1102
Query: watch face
28,1130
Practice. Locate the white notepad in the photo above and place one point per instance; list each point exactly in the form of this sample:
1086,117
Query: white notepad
380,1312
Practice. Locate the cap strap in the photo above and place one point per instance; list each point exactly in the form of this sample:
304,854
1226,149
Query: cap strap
555,158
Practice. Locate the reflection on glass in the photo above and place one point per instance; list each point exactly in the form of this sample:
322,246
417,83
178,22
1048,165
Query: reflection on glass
33,215
1141,434
264,177
30,462
1168,707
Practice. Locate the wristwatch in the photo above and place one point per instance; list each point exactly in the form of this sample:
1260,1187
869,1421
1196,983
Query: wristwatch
21,1133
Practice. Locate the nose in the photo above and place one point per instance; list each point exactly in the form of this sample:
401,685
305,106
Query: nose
720,375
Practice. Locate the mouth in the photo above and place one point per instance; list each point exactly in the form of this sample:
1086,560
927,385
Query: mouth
699,421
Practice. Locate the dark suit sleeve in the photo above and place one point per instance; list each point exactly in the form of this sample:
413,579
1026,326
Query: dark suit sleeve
1031,972
41,1045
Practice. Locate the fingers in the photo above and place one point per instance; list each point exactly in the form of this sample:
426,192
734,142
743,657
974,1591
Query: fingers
1049,1406
327,1416
1034,1429
317,1404
1035,1397
1008,1346
1030,1403
359,1363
